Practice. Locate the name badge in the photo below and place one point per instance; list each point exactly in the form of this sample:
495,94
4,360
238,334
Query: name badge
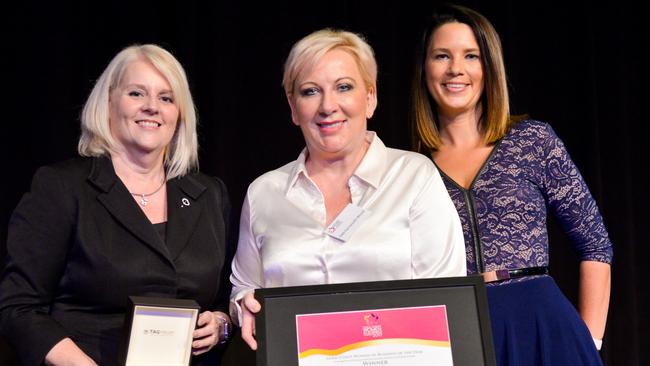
346,222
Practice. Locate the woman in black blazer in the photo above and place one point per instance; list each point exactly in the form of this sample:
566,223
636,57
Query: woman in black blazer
131,217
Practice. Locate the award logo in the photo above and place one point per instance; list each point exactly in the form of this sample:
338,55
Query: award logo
372,327
158,332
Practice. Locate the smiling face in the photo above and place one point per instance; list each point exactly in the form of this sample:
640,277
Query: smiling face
453,70
331,104
143,113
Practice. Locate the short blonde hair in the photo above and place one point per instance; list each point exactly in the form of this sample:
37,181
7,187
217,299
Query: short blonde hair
181,156
306,53
495,105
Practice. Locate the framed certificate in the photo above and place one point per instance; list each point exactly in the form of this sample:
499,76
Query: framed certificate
441,321
158,331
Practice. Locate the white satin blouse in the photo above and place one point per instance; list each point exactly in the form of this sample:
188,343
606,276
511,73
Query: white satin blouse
411,229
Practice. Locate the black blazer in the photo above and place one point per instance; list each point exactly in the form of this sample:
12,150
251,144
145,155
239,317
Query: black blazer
79,245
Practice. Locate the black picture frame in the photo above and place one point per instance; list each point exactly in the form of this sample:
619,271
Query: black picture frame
465,299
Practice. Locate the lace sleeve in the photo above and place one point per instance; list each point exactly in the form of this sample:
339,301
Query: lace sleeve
569,199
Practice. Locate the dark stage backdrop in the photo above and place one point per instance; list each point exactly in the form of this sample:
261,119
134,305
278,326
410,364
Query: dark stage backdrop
578,66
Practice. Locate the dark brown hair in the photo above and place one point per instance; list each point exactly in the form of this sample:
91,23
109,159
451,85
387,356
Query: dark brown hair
495,107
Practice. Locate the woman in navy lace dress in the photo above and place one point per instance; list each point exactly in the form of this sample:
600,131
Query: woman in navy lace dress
504,177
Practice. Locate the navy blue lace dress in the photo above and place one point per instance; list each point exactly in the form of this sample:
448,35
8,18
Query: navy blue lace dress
503,213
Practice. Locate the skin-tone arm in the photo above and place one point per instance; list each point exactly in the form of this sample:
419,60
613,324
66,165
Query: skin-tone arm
249,307
595,283
208,332
66,353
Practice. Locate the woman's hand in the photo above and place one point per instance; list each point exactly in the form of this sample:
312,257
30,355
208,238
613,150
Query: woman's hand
249,307
67,353
212,329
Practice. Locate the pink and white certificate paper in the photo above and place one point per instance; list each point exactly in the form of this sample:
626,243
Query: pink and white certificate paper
386,337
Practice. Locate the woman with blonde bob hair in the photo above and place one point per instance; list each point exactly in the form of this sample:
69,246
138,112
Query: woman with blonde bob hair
131,217
297,221
182,155
502,176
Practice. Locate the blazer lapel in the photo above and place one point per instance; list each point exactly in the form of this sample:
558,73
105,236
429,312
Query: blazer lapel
117,200
184,208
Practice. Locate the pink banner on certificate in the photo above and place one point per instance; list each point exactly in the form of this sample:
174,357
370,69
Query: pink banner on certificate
343,330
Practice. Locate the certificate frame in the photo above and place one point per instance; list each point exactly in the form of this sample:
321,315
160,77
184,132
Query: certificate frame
465,299
167,318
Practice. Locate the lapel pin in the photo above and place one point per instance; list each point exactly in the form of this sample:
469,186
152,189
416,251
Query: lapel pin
185,202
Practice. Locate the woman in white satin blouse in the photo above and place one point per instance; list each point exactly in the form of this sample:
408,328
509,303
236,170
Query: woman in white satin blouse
349,209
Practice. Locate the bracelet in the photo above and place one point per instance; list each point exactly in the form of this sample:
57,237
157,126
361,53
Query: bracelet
224,330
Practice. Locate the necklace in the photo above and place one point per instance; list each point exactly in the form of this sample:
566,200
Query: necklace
143,196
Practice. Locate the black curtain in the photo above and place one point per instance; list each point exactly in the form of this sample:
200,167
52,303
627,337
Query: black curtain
577,65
